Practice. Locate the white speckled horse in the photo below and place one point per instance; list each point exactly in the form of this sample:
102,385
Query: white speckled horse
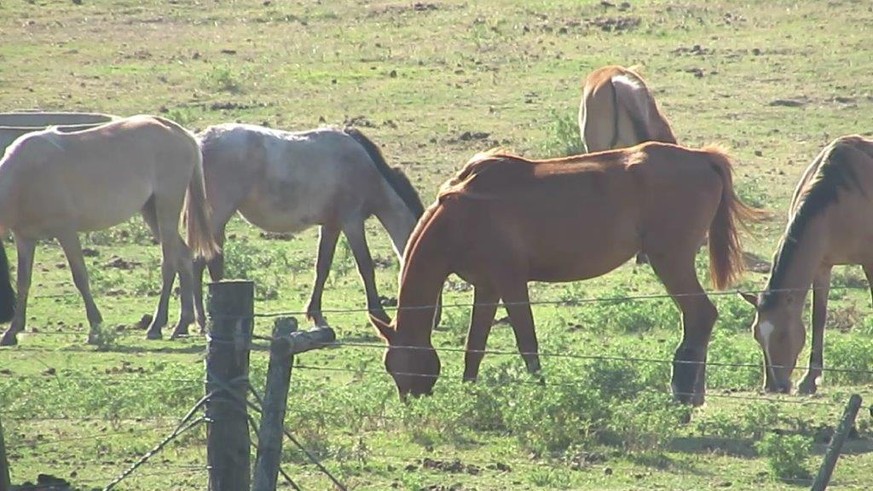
286,181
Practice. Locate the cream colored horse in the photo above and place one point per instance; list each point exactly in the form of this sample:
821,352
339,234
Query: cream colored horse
287,182
55,184
830,222
617,111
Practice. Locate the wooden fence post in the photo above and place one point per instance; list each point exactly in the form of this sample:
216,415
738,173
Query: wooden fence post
836,444
5,483
275,403
228,446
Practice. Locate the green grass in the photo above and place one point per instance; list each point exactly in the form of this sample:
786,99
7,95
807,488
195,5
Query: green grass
422,77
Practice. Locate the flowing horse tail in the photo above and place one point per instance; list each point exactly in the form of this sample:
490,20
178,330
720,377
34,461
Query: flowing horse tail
197,214
7,294
726,262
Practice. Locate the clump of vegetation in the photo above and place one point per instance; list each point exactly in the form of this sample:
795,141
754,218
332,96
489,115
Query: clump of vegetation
786,455
264,266
103,337
563,138
224,79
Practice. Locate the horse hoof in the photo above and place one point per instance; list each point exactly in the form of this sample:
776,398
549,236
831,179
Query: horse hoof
154,334
807,389
179,334
8,341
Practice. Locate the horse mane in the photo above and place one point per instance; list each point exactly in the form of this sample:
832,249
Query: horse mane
663,128
395,176
473,167
833,173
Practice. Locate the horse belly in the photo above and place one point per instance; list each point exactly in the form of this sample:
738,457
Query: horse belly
589,261
289,215
46,212
582,250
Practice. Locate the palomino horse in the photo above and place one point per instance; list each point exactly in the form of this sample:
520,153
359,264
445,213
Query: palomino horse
503,221
287,182
830,222
618,110
55,184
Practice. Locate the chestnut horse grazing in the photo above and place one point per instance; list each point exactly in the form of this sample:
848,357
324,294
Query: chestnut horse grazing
55,184
287,182
618,110
830,222
503,221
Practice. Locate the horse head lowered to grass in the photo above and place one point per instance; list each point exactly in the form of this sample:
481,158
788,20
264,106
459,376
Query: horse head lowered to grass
503,221
830,222
55,184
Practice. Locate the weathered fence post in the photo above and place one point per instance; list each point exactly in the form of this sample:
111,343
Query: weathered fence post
228,447
5,483
836,444
275,402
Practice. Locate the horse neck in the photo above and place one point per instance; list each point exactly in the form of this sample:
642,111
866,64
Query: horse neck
661,129
421,283
398,221
794,272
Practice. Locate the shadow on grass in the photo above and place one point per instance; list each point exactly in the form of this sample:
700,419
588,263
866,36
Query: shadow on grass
745,447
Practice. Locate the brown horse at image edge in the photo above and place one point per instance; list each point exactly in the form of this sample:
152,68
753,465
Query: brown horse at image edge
830,222
503,221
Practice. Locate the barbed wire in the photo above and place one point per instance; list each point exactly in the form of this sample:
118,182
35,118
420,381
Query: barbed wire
576,356
560,302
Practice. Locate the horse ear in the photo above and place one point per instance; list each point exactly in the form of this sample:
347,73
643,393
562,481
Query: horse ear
748,297
385,330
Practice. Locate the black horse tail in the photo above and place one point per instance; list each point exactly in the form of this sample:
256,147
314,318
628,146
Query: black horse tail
7,294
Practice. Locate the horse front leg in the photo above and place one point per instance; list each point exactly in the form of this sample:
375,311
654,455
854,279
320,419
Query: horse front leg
485,301
517,302
327,239
26,250
73,250
354,232
820,288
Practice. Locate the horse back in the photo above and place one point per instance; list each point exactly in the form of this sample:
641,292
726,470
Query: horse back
94,178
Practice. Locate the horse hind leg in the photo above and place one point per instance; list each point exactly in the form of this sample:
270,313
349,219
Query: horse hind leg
163,218
327,239
26,250
216,273
676,271
184,265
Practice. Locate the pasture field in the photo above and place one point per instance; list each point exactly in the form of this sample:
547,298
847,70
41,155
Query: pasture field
434,82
